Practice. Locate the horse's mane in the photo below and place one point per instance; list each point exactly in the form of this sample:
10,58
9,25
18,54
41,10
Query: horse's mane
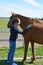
22,16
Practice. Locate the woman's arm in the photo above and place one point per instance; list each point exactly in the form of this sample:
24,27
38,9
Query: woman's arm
25,30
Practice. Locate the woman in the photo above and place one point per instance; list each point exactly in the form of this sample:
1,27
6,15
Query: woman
13,36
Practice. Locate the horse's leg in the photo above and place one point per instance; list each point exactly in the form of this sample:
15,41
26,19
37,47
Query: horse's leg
32,45
25,50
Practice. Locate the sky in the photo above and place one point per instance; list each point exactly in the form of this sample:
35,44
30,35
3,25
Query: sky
29,8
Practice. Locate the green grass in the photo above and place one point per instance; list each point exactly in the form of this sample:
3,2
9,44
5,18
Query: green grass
19,53
3,24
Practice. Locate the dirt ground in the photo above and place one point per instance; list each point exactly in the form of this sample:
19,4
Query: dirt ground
19,42
5,36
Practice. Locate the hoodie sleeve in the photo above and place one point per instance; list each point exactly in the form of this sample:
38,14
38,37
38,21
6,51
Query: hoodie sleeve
20,32
25,30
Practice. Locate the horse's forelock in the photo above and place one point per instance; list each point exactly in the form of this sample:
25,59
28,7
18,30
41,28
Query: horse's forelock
12,15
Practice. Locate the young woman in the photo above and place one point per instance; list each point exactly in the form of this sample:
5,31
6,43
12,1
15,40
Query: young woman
13,36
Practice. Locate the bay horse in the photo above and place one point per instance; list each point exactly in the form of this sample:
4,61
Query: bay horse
33,35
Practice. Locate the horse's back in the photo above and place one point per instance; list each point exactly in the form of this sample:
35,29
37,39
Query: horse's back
37,34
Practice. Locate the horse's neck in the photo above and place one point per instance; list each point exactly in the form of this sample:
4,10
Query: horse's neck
22,17
24,21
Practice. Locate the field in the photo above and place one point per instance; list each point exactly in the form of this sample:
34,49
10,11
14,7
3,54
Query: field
3,24
19,50
18,54
4,52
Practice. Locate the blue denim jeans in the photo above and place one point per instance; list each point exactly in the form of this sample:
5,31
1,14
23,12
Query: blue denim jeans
11,51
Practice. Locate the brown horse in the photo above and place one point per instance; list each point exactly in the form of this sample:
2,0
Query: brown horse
33,35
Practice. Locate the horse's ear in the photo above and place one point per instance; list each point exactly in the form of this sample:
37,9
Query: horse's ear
13,14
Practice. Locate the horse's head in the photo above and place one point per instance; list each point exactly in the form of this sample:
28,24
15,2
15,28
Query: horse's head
24,21
13,16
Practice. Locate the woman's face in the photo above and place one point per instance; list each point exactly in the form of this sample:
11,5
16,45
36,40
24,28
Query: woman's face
16,24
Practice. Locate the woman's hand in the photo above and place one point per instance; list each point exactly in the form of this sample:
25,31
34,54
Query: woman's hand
29,26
